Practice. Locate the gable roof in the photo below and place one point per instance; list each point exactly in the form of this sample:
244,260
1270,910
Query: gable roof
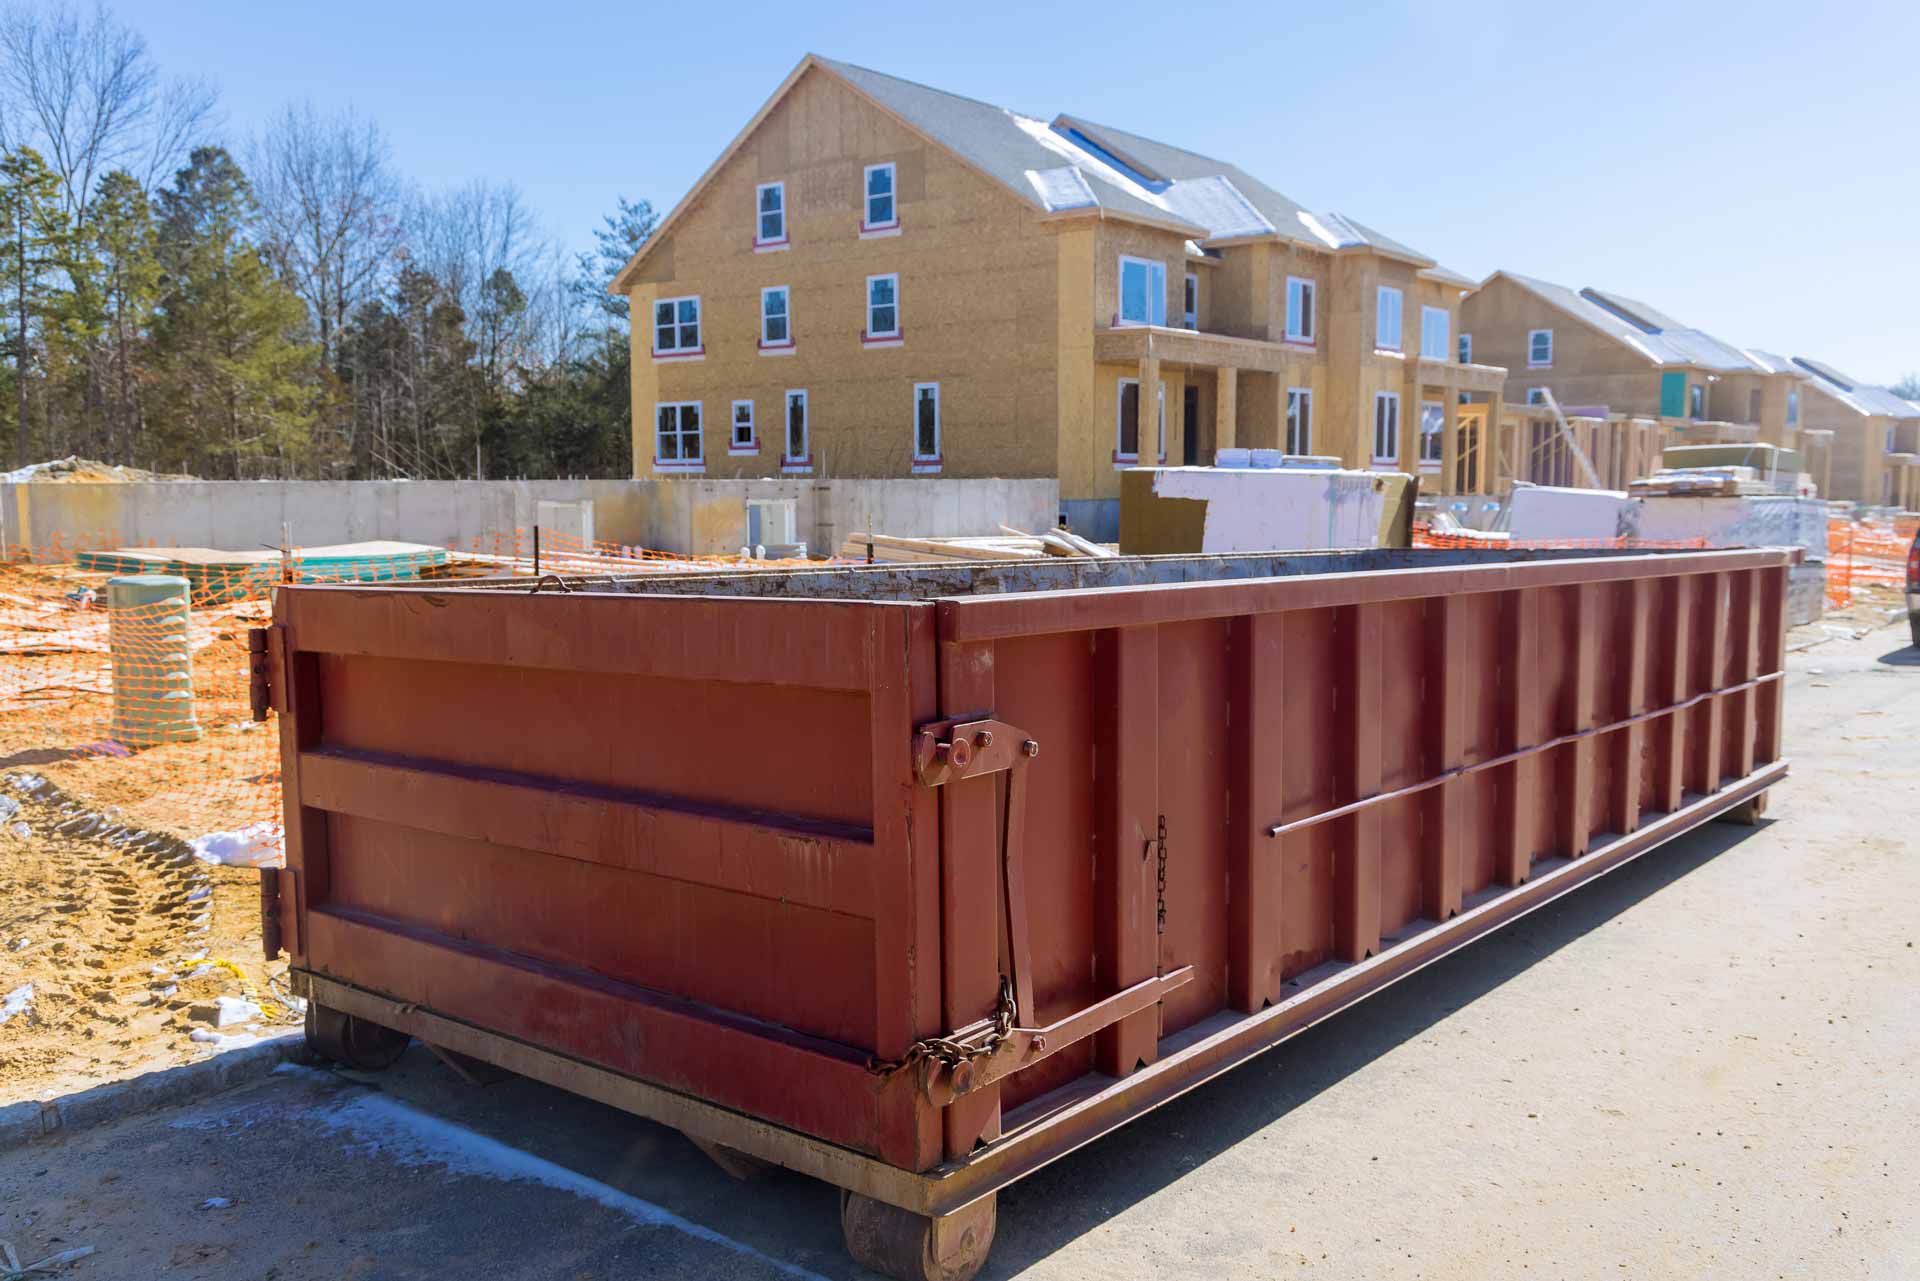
1070,166
1639,327
1856,395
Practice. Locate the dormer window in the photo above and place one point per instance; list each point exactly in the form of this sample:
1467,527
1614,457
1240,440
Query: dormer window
770,231
1143,291
881,212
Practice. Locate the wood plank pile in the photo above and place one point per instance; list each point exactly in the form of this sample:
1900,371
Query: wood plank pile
892,549
1700,482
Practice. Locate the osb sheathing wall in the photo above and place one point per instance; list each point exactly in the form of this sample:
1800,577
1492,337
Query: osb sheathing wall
979,283
1589,367
1859,445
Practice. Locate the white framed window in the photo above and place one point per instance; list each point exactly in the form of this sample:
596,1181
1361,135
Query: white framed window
881,211
676,327
926,427
1433,420
1386,319
1434,327
770,224
1539,348
676,436
1386,427
1299,309
1793,408
796,443
1299,420
1536,395
1190,314
1143,291
1696,401
742,440
883,309
776,320
1466,349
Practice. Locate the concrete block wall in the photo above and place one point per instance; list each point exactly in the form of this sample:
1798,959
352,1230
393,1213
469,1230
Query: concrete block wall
684,516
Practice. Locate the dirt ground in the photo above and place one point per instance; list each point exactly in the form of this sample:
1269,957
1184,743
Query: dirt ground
1699,1066
115,936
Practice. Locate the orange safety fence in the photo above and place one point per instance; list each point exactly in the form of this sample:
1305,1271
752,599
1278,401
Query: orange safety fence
1424,536
1863,553
143,709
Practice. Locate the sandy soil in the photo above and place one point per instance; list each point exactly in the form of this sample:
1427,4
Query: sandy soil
115,935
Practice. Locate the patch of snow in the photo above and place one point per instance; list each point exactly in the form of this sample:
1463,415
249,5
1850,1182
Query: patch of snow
233,1009
391,1128
8,808
20,944
18,1001
216,1203
256,845
21,830
223,1040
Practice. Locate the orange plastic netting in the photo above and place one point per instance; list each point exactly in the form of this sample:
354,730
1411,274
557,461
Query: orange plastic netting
1867,552
144,707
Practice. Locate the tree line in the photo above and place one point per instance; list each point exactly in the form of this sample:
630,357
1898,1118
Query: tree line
285,305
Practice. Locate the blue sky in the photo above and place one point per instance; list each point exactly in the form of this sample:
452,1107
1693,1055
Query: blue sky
1750,168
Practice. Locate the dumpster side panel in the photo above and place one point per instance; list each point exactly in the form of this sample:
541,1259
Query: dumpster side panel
1405,751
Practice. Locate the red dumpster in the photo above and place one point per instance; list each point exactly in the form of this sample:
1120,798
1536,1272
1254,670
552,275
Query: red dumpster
914,879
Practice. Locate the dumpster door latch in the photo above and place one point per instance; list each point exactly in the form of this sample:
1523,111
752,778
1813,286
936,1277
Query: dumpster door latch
948,751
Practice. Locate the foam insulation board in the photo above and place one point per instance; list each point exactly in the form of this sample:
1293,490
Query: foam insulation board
1167,510
1806,593
1545,513
1757,520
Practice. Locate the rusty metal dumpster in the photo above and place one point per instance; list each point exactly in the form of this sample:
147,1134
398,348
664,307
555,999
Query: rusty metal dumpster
915,879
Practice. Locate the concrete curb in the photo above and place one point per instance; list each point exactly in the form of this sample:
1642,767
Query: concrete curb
21,1123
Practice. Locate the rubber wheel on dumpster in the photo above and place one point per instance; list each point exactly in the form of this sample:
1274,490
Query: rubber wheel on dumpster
913,1247
352,1042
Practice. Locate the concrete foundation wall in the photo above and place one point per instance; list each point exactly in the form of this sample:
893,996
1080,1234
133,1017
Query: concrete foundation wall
685,516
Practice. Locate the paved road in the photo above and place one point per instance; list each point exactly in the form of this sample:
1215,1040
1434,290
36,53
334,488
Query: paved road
1702,1066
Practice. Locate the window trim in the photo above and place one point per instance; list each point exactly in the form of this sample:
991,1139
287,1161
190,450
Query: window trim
1120,320
1539,364
1399,338
680,466
696,352
767,345
1191,319
890,227
1309,291
761,243
897,335
1305,395
735,447
1427,312
1463,347
1379,459
789,464
1120,458
926,464
1439,434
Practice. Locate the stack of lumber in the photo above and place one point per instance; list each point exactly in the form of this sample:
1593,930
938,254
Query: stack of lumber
1700,482
893,549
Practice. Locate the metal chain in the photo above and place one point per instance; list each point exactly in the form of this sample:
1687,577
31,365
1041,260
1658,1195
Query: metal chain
955,1049
1162,846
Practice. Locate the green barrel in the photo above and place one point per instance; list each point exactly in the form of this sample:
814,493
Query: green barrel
152,660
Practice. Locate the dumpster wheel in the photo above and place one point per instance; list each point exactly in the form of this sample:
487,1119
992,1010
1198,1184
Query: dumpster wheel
350,1041
912,1247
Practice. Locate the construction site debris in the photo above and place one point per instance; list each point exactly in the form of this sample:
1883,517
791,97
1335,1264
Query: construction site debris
85,471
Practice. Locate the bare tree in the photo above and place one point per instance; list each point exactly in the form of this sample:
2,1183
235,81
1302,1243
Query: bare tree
84,90
332,211
482,243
